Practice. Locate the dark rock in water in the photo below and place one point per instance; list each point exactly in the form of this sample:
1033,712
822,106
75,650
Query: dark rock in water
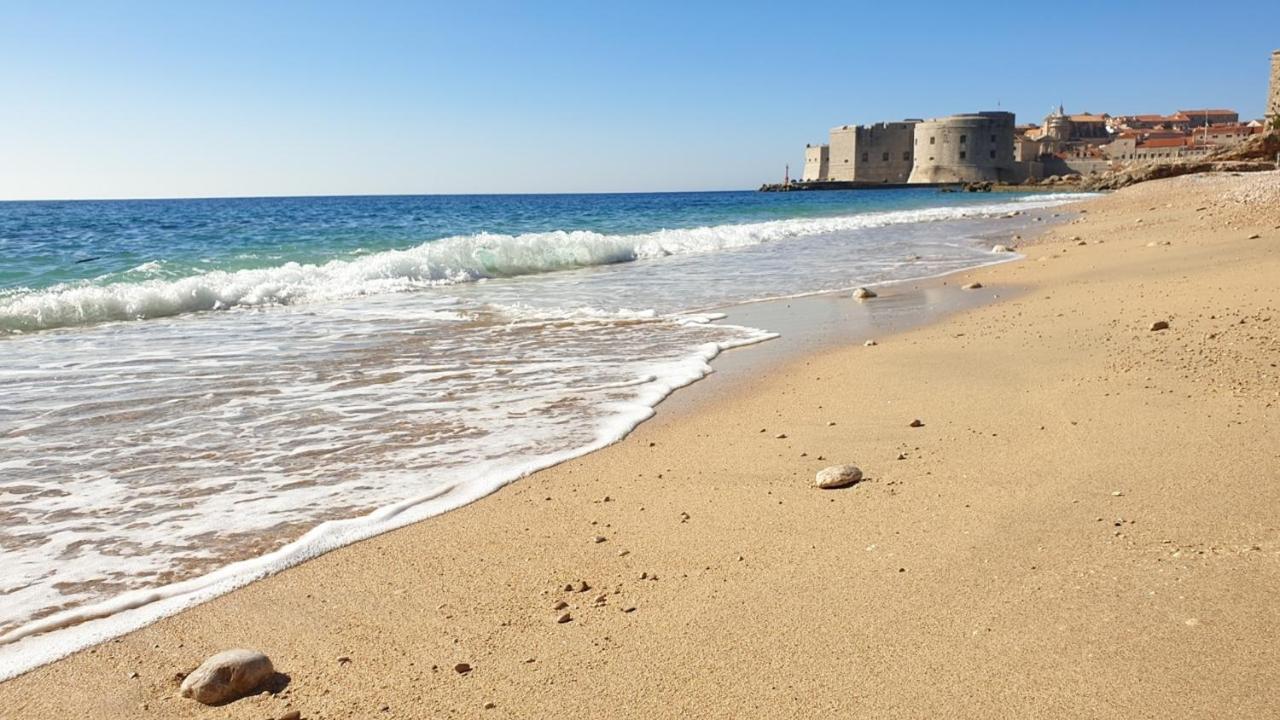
226,676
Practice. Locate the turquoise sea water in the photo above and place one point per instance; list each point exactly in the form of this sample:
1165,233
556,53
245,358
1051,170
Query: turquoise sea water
200,392
100,242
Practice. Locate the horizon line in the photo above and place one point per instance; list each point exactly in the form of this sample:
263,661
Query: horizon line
364,195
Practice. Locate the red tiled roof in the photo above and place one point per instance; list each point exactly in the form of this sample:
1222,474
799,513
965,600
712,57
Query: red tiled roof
1164,142
1193,113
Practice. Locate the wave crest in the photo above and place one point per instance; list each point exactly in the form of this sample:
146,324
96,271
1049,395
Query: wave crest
457,259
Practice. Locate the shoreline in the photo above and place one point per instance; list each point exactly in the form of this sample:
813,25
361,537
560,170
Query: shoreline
906,303
861,591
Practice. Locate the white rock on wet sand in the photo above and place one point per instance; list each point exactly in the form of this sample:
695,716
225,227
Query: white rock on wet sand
226,676
1001,249
863,294
971,286
837,476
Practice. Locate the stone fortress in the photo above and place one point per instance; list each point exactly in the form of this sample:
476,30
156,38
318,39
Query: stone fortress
988,147
956,149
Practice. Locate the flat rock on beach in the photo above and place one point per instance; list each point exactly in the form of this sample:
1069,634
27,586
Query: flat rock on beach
838,476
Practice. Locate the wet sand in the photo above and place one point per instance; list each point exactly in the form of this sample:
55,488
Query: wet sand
1084,525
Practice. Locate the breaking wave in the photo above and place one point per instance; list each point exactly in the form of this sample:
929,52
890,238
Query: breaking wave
458,259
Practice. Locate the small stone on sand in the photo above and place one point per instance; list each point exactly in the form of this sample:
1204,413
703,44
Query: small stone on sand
780,436
598,539
863,294
226,676
560,605
917,423
462,668
972,286
837,476
870,343
1002,248
1159,325
566,617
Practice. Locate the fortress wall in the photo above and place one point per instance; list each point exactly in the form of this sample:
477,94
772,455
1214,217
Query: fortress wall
840,155
816,163
883,152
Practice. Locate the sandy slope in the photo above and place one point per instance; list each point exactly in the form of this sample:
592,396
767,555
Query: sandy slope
1086,525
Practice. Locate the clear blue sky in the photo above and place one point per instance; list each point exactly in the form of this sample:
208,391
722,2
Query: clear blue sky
175,98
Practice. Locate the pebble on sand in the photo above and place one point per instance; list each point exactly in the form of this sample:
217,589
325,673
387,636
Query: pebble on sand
863,294
1159,325
564,618
462,668
917,423
226,676
871,343
1002,248
837,476
598,539
972,286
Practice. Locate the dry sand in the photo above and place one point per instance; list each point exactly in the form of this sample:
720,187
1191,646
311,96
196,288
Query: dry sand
1085,526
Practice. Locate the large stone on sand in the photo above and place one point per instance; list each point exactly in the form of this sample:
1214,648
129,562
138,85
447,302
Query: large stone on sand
227,676
838,476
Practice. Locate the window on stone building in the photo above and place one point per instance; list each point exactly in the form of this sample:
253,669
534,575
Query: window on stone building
886,157
906,155
864,157
993,154
932,140
962,154
993,138
963,139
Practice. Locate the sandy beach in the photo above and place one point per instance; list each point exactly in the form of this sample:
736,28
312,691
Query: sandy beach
1083,525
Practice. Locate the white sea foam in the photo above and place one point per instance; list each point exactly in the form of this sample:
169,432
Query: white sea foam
451,260
59,634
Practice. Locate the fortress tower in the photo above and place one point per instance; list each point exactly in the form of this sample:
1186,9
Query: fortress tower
964,148
1273,98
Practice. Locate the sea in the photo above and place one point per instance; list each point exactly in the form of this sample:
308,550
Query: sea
198,393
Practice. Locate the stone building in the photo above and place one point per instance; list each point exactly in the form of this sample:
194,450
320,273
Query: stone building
880,153
965,148
817,160
1273,102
